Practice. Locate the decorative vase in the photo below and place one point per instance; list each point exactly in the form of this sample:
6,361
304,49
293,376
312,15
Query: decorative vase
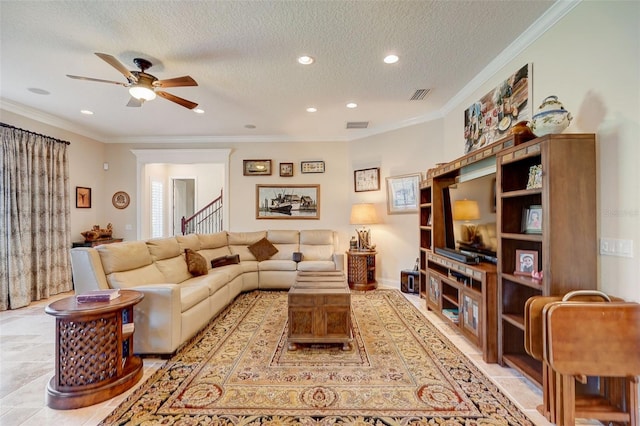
522,129
550,118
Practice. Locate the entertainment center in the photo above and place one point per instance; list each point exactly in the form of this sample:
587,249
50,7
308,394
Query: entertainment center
480,288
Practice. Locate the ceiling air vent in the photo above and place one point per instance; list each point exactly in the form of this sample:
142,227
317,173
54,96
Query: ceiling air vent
419,94
357,124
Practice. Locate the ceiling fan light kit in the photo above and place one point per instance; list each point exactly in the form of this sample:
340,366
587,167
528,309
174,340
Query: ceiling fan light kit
142,85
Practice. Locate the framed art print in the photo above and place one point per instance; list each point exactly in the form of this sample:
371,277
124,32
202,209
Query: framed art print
286,169
256,167
402,194
83,197
366,179
287,201
312,166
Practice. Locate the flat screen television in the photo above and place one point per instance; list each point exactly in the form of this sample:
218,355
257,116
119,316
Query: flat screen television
470,241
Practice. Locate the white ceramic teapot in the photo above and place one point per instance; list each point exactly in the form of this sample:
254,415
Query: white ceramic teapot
550,118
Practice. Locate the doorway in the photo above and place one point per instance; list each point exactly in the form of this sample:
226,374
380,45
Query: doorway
184,201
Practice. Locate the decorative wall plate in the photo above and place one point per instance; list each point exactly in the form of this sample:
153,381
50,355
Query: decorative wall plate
120,200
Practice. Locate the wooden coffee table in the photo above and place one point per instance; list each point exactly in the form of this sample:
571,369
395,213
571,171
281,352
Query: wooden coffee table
320,310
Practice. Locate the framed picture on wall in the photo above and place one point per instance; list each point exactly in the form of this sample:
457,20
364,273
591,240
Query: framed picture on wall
286,169
287,201
402,193
256,167
83,197
366,179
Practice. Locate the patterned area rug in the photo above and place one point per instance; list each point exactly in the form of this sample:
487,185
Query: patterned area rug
400,371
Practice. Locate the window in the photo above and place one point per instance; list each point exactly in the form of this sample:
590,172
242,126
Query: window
157,216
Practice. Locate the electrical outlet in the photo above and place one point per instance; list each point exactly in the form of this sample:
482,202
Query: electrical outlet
128,227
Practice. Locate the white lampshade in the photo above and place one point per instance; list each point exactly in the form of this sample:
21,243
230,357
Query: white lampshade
466,210
363,214
142,92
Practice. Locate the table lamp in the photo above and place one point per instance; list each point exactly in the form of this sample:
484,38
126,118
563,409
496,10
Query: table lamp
364,214
467,210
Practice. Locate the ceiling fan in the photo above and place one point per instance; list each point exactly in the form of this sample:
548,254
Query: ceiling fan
142,86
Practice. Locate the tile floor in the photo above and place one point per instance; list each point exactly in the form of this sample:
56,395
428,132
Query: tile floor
27,348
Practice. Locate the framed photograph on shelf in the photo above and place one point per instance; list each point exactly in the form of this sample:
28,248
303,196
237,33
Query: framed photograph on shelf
402,193
526,262
312,166
366,179
535,177
532,220
286,169
83,197
256,167
287,201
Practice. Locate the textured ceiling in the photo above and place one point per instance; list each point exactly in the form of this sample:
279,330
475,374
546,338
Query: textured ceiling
243,56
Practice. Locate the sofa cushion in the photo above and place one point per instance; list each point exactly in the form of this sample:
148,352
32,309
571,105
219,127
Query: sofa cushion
196,263
213,241
164,248
191,241
262,249
190,296
245,238
317,237
214,253
149,274
277,265
174,269
317,252
124,256
316,265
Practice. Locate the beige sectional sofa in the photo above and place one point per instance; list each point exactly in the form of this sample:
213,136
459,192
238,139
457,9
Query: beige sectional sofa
176,303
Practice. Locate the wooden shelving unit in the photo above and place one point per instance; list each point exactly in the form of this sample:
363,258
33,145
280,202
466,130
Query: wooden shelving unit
567,246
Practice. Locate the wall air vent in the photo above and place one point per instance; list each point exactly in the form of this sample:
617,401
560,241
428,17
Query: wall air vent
357,124
419,94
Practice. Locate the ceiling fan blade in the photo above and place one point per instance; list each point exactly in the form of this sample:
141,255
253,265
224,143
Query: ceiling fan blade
180,101
176,82
133,102
111,60
77,77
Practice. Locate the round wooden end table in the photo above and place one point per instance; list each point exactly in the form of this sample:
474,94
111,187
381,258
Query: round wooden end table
94,350
361,270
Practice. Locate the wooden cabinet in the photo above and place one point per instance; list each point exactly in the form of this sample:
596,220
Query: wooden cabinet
566,246
94,350
465,295
425,233
95,243
361,270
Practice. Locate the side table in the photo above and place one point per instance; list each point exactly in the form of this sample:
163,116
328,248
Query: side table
96,242
361,270
94,350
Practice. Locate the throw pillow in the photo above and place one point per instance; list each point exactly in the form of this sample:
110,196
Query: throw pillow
225,260
262,249
196,263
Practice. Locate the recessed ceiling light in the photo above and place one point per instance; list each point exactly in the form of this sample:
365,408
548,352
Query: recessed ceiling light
312,109
198,111
86,112
352,105
391,59
250,126
38,91
306,60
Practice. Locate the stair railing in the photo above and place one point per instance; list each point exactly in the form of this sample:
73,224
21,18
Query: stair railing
207,220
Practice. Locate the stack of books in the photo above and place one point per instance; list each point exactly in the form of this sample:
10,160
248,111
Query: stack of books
452,314
98,296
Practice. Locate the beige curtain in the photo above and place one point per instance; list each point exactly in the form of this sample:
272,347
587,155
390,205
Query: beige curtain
34,218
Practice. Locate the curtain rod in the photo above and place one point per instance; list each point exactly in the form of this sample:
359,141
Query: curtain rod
34,133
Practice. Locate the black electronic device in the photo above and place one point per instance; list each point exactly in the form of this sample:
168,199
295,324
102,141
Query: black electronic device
470,259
